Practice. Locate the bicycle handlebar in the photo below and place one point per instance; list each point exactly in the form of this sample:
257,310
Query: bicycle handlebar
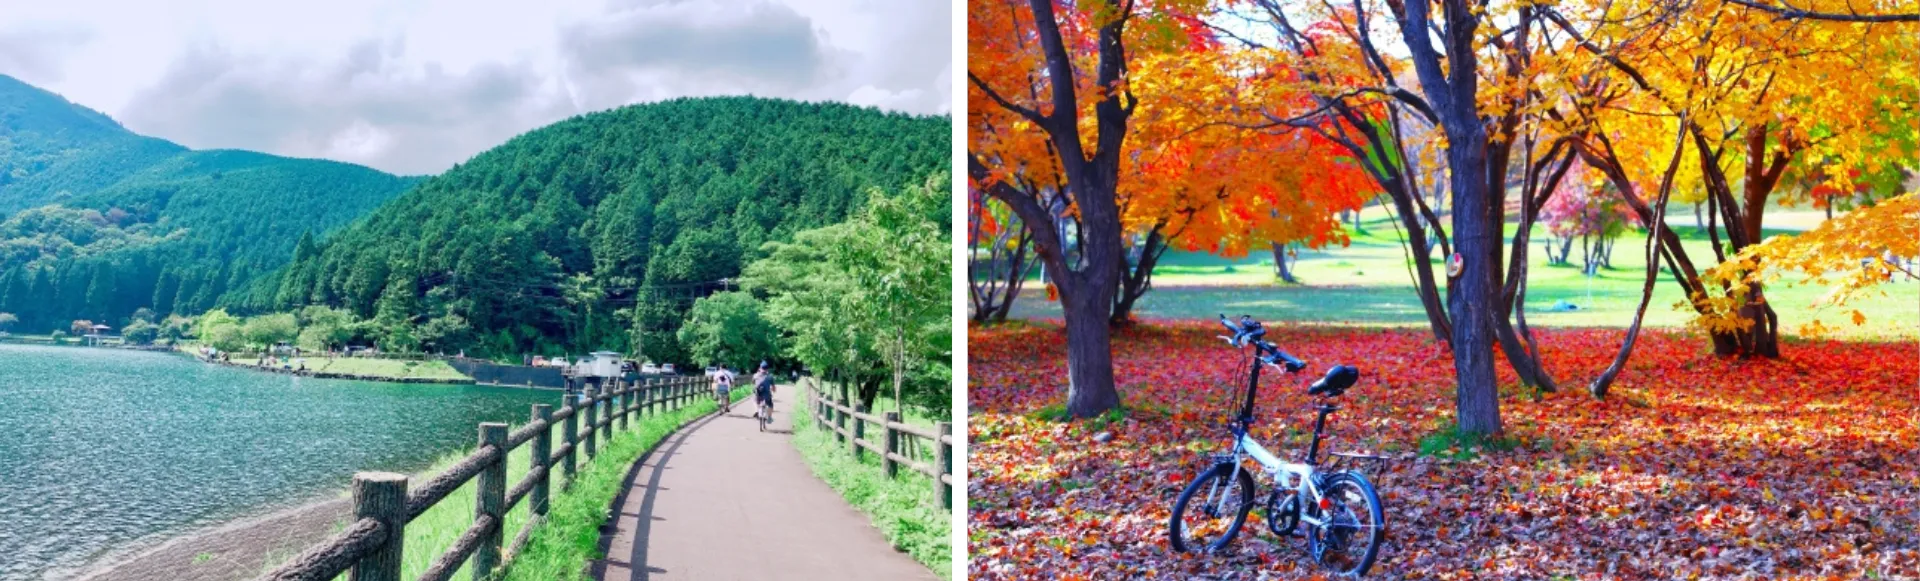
1250,331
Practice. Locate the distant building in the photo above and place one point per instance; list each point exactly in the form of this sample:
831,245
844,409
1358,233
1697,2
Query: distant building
99,336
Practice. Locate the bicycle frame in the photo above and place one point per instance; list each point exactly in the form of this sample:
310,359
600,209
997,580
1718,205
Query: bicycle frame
1245,447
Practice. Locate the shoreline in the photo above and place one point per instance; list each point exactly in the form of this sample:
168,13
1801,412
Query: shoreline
335,375
237,549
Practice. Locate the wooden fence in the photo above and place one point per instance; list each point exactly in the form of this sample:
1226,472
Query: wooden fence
896,438
371,545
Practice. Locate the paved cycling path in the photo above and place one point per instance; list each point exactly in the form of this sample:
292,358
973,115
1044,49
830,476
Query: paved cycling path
721,500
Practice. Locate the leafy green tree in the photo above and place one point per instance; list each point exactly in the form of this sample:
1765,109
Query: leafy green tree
901,264
268,330
867,301
727,329
446,334
175,328
220,330
140,332
323,328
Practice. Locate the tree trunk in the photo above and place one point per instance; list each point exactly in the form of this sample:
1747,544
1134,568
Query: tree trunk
1090,390
1137,278
1426,286
1474,295
1021,265
1087,283
1280,263
1657,226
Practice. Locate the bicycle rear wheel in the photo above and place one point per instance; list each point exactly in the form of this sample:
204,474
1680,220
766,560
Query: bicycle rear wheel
1350,539
1211,510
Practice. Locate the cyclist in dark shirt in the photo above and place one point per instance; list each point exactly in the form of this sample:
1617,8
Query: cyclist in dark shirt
763,388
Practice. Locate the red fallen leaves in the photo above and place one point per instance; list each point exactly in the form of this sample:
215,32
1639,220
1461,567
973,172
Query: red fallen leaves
1696,467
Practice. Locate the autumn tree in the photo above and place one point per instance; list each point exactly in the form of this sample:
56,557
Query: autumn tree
1851,254
1491,142
1047,96
1592,213
1199,182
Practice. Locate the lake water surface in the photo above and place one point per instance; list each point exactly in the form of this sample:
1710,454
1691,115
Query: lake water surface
102,449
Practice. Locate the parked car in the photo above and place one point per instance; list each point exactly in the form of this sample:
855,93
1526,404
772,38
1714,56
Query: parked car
712,371
649,368
666,368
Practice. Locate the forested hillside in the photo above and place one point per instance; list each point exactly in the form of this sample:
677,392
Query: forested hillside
97,222
605,227
51,148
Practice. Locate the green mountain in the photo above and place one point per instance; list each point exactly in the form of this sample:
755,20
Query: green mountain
51,149
576,235
99,222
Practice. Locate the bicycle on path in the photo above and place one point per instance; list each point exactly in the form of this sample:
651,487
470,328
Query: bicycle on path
763,381
723,390
1339,509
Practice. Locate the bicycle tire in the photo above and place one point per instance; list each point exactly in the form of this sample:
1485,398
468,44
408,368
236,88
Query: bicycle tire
1321,539
1222,472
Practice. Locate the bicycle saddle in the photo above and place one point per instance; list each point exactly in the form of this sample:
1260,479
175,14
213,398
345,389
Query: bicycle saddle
1336,382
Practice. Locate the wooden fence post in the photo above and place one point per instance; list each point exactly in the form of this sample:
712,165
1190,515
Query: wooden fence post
633,400
893,447
645,406
492,500
381,496
624,390
944,465
571,435
593,403
859,429
606,414
541,454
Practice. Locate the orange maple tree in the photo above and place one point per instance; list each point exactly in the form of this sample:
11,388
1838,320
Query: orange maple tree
1139,153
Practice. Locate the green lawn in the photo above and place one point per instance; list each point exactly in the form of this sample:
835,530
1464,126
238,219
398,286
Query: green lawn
1369,283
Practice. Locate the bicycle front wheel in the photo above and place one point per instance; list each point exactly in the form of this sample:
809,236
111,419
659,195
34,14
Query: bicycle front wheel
1211,510
1350,539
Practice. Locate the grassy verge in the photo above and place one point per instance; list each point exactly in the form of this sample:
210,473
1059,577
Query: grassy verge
560,549
902,509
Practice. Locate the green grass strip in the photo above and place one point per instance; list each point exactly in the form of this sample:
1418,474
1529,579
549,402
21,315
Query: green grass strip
559,550
903,510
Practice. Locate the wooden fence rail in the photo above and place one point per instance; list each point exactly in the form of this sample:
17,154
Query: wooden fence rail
892,447
371,547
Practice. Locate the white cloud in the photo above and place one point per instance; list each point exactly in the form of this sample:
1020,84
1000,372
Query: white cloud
416,86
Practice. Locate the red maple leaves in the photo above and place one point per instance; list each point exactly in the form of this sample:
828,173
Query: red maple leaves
1803,467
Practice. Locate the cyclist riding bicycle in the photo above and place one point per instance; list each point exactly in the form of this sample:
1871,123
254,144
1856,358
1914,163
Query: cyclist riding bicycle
723,387
763,389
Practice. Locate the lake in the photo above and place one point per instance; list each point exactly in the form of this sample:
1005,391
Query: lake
101,449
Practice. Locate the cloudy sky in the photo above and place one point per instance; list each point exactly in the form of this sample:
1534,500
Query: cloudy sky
415,86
